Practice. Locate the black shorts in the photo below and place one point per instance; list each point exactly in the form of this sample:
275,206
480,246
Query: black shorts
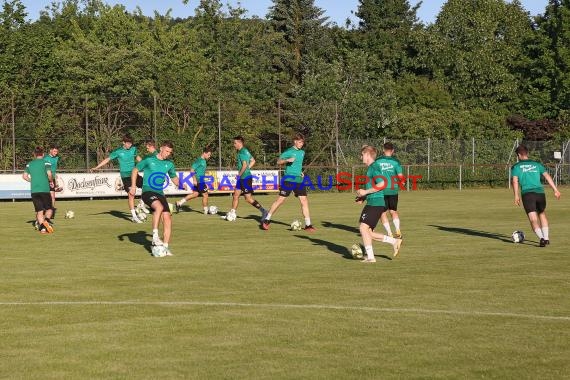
202,188
391,202
245,185
371,215
534,202
127,182
298,188
148,197
42,201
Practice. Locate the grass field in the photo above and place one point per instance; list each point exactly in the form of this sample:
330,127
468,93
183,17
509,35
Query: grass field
461,300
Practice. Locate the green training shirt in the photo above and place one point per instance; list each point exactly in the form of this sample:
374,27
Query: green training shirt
377,198
391,168
244,155
199,166
529,173
153,154
295,168
126,158
53,161
155,172
38,170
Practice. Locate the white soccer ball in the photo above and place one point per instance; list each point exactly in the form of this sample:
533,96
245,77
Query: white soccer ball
158,251
230,216
517,237
296,226
213,210
142,215
356,252
69,215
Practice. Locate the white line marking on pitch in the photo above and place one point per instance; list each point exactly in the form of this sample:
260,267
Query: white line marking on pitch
289,306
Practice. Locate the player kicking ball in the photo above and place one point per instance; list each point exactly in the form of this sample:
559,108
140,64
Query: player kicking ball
156,169
38,173
375,206
198,172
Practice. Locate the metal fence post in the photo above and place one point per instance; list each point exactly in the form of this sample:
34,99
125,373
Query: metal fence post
460,178
219,135
351,180
428,159
408,178
154,117
13,135
279,124
473,153
86,133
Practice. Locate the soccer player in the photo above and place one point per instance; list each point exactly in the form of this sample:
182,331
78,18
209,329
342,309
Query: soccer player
157,171
375,205
126,155
151,150
53,159
392,170
245,162
198,172
292,158
527,173
38,173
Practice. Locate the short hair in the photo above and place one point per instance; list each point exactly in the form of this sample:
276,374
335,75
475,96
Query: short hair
167,144
127,139
150,142
53,146
239,138
38,151
522,150
207,149
388,146
370,150
298,137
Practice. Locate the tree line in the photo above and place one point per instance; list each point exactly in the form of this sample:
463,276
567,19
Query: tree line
485,69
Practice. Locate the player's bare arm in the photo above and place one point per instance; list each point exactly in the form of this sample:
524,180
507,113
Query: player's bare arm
101,164
134,175
552,185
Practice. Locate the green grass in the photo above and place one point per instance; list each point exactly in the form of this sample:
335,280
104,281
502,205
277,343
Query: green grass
234,301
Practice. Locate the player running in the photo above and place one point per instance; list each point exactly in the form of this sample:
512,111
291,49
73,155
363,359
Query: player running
53,159
392,171
38,173
198,173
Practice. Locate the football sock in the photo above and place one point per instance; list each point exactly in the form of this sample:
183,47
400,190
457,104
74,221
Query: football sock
133,213
538,233
256,204
387,228
268,217
232,211
182,201
206,210
369,252
165,245
155,233
545,231
388,239
307,222
396,224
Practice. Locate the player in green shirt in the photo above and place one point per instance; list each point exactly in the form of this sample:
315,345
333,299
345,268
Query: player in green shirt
198,172
244,184
375,205
392,170
127,156
53,159
38,173
528,174
157,171
292,180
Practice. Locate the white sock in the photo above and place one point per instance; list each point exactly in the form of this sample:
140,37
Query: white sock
182,201
307,222
387,228
165,245
538,233
369,252
396,224
388,239
233,211
268,217
545,231
155,233
133,213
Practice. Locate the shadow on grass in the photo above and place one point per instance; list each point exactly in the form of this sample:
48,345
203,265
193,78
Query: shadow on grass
139,237
333,247
478,233
116,214
343,227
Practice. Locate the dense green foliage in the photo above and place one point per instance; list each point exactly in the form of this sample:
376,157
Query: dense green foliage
484,69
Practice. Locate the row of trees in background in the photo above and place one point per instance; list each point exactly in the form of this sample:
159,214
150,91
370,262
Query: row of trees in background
484,69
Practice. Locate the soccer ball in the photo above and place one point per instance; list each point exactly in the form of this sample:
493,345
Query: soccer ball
296,226
142,215
69,215
356,252
517,237
231,216
213,210
158,251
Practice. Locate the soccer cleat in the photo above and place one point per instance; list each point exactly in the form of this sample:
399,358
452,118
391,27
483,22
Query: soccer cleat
36,225
178,207
156,241
48,227
310,228
547,242
44,232
367,260
265,224
397,246
264,213
543,243
167,252
135,219
398,235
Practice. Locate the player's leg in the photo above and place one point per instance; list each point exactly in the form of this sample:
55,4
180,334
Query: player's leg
274,207
368,220
42,205
542,219
52,195
178,205
247,191
305,210
130,199
167,231
374,213
396,221
531,206
386,223
152,200
205,199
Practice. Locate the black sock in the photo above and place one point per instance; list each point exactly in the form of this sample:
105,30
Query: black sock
256,205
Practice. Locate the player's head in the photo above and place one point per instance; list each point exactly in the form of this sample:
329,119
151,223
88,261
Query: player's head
166,149
298,140
207,153
238,142
53,150
388,149
127,141
368,153
150,145
522,151
38,152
